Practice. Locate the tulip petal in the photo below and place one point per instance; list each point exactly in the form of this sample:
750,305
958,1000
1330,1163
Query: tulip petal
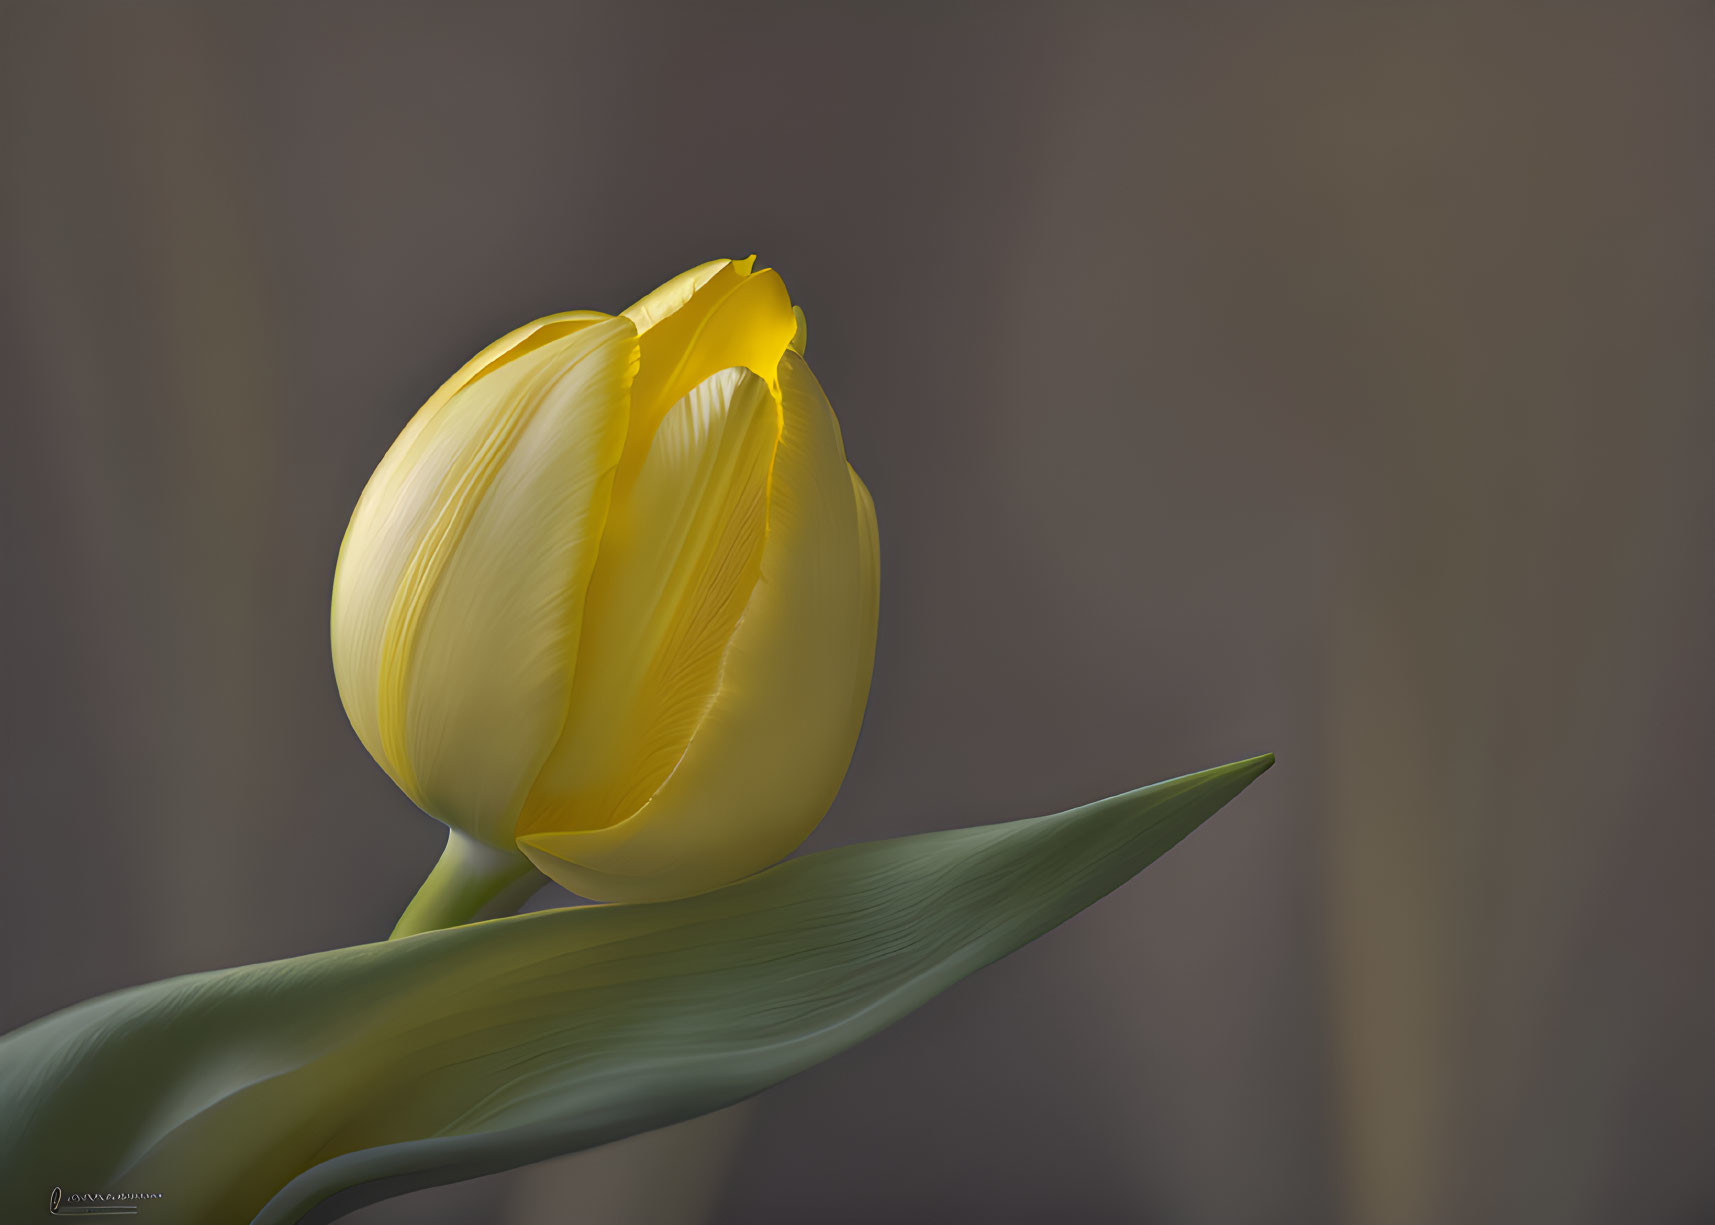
513,345
869,599
655,306
771,751
460,587
698,323
678,564
391,516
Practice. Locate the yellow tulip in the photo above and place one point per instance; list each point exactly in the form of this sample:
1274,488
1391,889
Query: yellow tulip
609,602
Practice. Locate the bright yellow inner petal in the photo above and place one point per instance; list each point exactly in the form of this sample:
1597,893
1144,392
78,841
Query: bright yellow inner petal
678,563
698,323
655,306
769,753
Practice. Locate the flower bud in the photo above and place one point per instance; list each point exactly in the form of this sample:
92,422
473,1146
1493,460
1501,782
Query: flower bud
610,599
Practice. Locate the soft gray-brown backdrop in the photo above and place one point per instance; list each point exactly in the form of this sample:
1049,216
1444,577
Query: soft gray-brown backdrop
1329,380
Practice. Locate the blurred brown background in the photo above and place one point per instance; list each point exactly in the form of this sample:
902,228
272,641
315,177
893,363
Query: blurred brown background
1329,380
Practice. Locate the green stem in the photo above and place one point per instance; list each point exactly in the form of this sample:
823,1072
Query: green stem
470,880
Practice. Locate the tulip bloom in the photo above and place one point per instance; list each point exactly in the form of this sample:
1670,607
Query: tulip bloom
610,599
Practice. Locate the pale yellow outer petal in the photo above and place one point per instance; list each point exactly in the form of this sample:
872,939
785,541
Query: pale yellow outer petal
391,516
869,599
458,596
678,564
769,755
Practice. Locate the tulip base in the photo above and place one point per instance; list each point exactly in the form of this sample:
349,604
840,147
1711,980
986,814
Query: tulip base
470,881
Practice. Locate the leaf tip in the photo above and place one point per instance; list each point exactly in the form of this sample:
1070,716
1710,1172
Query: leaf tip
1231,778
1247,771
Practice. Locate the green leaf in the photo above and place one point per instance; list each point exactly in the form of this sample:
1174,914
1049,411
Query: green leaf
298,1090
